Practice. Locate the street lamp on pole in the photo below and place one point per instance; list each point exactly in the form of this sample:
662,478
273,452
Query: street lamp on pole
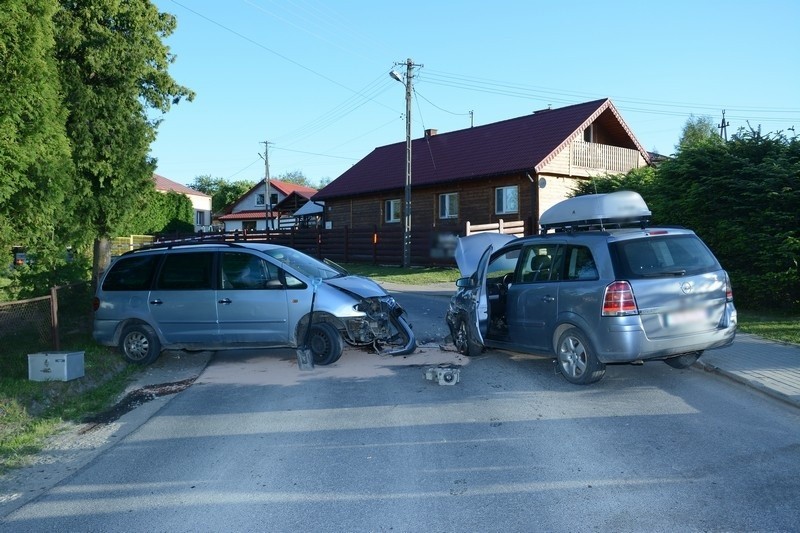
407,207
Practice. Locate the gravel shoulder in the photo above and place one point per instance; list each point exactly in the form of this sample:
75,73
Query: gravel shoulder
77,444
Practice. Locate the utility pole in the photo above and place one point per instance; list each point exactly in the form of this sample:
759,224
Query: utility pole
723,127
267,186
407,208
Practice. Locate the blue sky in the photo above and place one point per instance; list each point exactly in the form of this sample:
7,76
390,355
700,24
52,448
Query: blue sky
312,76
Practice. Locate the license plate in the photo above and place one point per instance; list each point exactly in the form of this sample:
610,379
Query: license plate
680,318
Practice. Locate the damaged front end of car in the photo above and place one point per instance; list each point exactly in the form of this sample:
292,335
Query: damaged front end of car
383,326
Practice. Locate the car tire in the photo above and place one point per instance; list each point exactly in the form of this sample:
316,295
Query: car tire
684,360
577,360
325,343
139,344
462,340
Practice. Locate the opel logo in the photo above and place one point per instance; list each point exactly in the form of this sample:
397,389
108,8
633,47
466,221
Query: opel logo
686,287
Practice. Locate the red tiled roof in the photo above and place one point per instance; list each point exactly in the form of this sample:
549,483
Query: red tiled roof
283,186
288,188
246,215
163,184
519,144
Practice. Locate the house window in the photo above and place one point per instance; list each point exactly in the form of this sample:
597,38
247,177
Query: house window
273,199
448,205
249,225
506,200
588,133
392,211
260,199
200,218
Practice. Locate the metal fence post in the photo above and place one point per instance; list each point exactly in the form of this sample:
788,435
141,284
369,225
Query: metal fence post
54,318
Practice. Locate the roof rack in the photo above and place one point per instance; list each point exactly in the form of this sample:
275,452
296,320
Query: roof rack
597,212
168,245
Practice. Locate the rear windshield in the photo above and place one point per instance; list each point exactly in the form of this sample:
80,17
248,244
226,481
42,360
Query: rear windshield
668,255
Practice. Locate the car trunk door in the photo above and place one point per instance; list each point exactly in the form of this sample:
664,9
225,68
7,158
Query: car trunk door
685,305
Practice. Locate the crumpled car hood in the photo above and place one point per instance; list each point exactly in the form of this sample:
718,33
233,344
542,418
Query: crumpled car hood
363,287
470,249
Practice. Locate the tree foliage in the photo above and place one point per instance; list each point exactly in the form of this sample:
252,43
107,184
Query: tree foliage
742,198
113,66
222,192
698,130
162,213
35,168
295,176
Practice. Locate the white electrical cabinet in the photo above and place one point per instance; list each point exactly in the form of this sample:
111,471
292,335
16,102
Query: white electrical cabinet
55,366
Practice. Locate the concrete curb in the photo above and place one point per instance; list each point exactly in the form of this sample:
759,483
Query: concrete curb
760,387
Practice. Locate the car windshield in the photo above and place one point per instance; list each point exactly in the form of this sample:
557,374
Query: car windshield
303,263
670,255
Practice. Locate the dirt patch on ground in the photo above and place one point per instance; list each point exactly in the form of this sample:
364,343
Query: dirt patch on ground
134,399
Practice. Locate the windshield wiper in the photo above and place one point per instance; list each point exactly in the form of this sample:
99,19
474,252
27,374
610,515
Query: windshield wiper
675,272
340,269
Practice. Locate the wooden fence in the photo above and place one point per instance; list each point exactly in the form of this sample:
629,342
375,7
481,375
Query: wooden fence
376,245
516,227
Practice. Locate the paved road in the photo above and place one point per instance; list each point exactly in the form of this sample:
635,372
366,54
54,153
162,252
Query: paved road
369,445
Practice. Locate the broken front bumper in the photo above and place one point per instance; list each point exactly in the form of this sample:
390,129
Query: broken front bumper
384,326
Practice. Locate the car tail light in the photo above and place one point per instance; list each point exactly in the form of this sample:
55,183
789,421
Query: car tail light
95,303
728,289
618,300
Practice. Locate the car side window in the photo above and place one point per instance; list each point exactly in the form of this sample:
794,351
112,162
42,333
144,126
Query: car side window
133,273
246,271
580,264
186,271
503,264
539,263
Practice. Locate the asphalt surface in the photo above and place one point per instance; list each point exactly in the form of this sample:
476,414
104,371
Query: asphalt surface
767,367
772,368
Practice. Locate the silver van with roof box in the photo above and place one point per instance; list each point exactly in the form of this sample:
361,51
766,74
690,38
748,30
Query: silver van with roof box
241,295
597,286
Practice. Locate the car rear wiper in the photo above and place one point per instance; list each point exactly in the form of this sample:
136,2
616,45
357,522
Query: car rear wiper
674,272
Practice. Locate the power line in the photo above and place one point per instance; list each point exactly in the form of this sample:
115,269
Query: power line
572,97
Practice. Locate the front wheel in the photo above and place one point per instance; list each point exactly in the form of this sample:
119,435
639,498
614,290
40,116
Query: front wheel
462,341
577,361
684,360
139,344
325,343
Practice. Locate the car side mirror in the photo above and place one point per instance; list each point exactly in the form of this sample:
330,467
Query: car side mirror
464,283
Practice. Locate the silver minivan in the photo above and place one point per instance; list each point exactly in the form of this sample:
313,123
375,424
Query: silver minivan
241,295
597,286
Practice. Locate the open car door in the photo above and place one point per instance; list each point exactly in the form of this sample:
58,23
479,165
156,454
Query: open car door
481,318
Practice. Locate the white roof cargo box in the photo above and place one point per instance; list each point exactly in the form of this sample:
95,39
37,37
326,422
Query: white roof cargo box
596,211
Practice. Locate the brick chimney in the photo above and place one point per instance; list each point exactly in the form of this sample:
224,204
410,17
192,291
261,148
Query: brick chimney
431,132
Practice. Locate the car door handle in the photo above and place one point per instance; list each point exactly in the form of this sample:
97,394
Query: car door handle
156,302
225,301
548,299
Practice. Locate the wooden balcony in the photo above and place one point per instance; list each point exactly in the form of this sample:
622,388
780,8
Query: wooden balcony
605,157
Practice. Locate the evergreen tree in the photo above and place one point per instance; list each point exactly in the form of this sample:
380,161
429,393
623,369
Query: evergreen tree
222,192
113,66
35,166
